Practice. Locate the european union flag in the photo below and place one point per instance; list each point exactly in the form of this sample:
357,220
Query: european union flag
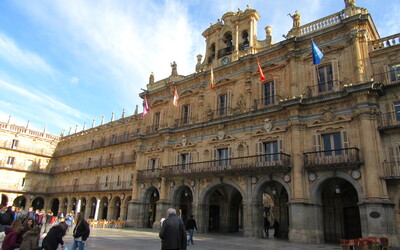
316,53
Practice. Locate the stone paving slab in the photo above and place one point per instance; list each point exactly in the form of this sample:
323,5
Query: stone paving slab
148,239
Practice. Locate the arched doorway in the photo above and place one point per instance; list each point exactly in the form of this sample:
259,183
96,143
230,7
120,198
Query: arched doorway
275,208
4,200
64,205
55,204
73,205
19,202
116,208
38,203
184,202
151,198
224,203
103,209
92,207
341,213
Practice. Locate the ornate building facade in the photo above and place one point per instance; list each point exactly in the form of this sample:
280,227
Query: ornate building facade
315,147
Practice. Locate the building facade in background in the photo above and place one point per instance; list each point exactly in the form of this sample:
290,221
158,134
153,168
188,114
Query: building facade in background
314,147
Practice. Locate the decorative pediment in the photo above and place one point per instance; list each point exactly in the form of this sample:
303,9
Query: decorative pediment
328,117
329,130
269,138
154,148
184,143
187,92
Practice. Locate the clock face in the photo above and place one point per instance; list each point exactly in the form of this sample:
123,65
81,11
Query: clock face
225,60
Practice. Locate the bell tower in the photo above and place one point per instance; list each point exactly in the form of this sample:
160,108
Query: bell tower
233,36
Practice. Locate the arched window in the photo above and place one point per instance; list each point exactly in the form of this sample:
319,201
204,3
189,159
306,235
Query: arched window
245,41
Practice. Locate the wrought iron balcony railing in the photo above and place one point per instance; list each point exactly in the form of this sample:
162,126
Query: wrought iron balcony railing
184,121
266,163
391,170
122,138
389,120
94,187
22,167
46,152
116,161
387,78
18,188
336,158
149,174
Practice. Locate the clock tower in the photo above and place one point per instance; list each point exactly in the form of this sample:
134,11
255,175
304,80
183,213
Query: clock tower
232,37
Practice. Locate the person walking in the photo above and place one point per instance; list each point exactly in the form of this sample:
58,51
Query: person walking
191,226
55,237
81,232
267,224
173,232
276,228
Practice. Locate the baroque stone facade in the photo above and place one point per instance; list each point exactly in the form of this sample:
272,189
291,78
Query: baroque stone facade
315,147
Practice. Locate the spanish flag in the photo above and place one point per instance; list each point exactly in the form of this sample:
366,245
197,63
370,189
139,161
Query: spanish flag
145,107
212,78
176,98
262,77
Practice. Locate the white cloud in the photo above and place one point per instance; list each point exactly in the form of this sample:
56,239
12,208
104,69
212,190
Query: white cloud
74,80
22,58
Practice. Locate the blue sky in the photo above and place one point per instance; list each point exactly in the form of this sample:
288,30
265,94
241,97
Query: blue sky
63,63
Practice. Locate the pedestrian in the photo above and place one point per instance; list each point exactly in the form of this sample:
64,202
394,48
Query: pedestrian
7,218
191,226
28,225
13,237
267,224
276,228
81,232
55,237
30,239
48,221
69,219
173,232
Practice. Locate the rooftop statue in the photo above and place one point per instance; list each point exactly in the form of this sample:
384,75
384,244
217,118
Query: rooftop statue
350,3
174,69
296,19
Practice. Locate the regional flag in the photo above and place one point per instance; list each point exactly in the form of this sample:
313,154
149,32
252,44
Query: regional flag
262,77
212,78
176,98
145,107
316,53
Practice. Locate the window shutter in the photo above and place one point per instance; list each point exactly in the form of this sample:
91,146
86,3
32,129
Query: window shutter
148,164
317,142
314,80
345,140
158,163
335,70
385,76
214,157
190,158
280,149
260,151
229,156
177,159
229,103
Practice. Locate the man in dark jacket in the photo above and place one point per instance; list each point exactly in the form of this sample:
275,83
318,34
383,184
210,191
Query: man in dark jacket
191,226
7,218
173,232
55,237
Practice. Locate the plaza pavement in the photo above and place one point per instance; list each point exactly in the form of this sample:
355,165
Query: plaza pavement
147,239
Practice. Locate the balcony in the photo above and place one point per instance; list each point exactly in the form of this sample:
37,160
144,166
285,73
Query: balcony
391,170
45,152
23,167
116,161
322,88
152,129
14,187
184,121
257,164
345,158
95,187
267,102
94,145
387,78
389,121
148,174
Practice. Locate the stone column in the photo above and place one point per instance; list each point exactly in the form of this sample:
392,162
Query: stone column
202,211
78,206
96,213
